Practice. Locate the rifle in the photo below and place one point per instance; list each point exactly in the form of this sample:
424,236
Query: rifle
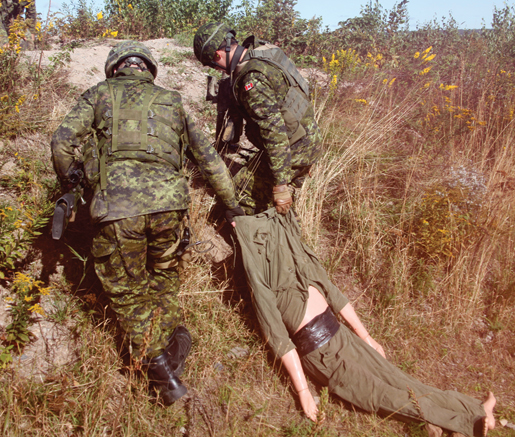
66,206
229,122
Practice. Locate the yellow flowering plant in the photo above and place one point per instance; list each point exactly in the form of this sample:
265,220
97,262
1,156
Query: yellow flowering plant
23,307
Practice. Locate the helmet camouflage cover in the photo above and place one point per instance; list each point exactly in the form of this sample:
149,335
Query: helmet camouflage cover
208,39
125,49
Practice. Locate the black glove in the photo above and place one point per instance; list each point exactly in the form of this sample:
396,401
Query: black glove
235,212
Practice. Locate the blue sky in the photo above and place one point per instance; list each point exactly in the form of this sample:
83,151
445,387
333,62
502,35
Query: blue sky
468,13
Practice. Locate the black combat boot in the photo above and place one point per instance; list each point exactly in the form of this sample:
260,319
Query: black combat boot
179,346
165,369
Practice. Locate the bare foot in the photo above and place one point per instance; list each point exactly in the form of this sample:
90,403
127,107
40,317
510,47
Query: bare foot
433,430
488,405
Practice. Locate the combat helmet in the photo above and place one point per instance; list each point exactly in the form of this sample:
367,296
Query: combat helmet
208,39
126,49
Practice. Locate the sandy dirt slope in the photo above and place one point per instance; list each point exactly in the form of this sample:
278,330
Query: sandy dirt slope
182,72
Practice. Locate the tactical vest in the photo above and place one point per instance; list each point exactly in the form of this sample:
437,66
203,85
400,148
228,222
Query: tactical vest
297,101
150,143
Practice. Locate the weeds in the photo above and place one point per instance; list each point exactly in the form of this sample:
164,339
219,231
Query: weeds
23,306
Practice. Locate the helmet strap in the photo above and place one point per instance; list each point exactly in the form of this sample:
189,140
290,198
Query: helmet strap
228,38
235,60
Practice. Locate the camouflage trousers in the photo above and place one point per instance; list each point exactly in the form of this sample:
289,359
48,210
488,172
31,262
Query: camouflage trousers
143,297
254,183
255,180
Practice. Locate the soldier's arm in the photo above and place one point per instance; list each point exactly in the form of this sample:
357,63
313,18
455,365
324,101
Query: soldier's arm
211,165
260,102
67,138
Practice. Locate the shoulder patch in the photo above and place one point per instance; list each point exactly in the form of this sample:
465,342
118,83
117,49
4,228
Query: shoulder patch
249,86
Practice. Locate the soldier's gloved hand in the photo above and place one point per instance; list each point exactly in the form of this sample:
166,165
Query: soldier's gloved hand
282,199
231,213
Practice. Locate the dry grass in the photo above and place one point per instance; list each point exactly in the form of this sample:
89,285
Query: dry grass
446,320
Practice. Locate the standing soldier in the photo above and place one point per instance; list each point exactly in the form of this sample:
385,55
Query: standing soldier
10,10
140,196
273,98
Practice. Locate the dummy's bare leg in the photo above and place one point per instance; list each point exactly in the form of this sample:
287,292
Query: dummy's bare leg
489,421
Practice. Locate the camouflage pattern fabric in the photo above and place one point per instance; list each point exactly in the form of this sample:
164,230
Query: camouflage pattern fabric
140,209
260,94
129,48
11,10
208,39
143,298
146,184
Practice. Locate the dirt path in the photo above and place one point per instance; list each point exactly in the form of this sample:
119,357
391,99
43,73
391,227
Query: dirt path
177,68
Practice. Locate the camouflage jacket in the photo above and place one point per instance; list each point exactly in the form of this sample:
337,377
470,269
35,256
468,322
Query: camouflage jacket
136,182
12,9
260,92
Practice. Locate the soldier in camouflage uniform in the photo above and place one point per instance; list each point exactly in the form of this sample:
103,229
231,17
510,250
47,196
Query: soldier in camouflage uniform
140,195
273,98
11,10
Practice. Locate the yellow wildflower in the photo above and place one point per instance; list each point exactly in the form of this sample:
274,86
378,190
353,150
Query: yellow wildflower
28,298
392,81
425,71
385,80
334,82
450,87
100,15
114,33
416,55
130,6
45,291
429,58
426,51
36,308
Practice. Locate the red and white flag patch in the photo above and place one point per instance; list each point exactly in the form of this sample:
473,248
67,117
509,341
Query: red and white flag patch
249,86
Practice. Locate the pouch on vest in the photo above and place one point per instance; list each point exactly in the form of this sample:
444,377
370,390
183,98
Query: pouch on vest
115,143
99,207
91,161
293,110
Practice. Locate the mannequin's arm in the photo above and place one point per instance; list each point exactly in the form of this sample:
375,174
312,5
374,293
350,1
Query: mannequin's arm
350,316
291,362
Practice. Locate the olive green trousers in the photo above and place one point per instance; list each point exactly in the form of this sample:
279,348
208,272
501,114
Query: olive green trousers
358,374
